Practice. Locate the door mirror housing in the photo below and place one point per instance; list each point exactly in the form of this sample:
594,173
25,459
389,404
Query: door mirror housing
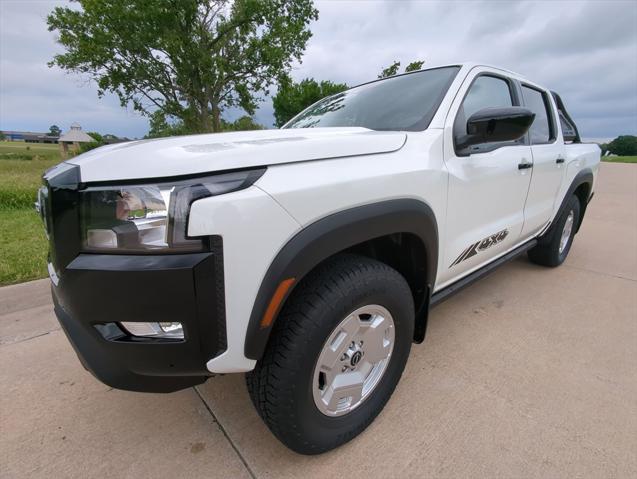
491,125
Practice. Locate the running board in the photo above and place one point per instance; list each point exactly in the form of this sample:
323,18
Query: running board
452,289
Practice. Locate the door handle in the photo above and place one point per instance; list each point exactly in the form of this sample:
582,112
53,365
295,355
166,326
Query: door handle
524,166
559,161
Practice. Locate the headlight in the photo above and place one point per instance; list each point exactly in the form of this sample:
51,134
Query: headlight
150,217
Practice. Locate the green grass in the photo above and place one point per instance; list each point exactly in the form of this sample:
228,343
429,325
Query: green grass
620,159
20,180
21,168
19,150
23,246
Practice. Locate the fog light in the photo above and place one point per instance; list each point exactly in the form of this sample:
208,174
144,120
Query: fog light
155,330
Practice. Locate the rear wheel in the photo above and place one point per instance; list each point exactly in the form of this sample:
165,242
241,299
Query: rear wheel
335,355
553,249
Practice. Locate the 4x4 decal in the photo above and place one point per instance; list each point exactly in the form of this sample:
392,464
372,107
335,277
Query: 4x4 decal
481,245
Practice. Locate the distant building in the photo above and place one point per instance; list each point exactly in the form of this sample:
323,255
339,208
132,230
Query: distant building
71,140
29,136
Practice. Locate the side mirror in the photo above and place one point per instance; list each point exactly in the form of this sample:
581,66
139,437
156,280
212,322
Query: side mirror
496,124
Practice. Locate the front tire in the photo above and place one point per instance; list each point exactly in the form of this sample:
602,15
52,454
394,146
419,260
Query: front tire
335,355
553,249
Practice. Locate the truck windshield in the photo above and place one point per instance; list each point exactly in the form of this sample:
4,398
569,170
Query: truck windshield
405,102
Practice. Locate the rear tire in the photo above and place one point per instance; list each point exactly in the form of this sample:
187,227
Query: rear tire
286,386
553,248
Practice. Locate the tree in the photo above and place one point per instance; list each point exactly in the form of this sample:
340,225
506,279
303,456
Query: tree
161,127
54,130
624,145
392,69
244,123
188,59
414,66
292,98
96,136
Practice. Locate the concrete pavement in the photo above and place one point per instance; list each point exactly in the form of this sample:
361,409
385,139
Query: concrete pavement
531,372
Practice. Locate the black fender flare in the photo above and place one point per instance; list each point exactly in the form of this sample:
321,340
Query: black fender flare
332,234
585,176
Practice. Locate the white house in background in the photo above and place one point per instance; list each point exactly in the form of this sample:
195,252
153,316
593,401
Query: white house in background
70,141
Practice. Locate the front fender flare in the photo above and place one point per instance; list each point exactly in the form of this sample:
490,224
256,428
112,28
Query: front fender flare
333,234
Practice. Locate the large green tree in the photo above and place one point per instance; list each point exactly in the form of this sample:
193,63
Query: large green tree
624,145
184,59
392,69
292,98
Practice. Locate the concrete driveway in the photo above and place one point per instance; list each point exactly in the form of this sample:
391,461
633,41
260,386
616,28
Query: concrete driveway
532,372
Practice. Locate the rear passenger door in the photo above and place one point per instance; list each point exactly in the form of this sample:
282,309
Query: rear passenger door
548,160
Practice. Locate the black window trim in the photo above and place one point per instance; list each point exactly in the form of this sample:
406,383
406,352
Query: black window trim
548,105
516,100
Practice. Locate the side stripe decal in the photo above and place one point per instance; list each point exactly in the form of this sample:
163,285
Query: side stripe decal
466,253
480,246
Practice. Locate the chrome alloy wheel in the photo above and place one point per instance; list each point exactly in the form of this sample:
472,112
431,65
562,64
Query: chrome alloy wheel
566,232
353,360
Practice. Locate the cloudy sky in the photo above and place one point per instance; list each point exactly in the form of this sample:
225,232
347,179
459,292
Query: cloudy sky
585,50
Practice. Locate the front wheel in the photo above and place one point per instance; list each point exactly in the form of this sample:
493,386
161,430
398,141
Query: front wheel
336,353
553,249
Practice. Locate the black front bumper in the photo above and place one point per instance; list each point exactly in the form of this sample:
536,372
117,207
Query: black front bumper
93,293
97,292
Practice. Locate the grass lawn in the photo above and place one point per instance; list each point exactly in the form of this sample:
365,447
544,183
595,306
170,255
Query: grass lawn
620,159
23,247
19,150
20,180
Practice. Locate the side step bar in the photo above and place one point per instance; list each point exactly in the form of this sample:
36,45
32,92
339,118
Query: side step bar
452,289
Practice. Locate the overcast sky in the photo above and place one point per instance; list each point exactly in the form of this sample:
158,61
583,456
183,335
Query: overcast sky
587,51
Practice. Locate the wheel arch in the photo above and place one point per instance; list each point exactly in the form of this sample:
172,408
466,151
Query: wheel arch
368,230
581,186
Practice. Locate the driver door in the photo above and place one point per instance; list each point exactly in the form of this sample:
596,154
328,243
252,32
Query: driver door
488,183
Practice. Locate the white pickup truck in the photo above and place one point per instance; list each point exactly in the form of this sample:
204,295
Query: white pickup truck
309,257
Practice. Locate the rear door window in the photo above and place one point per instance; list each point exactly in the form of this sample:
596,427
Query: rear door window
542,130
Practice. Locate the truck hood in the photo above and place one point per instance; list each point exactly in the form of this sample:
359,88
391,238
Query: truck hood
187,155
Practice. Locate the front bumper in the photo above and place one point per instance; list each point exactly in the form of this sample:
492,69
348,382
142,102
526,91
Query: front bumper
97,292
93,293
